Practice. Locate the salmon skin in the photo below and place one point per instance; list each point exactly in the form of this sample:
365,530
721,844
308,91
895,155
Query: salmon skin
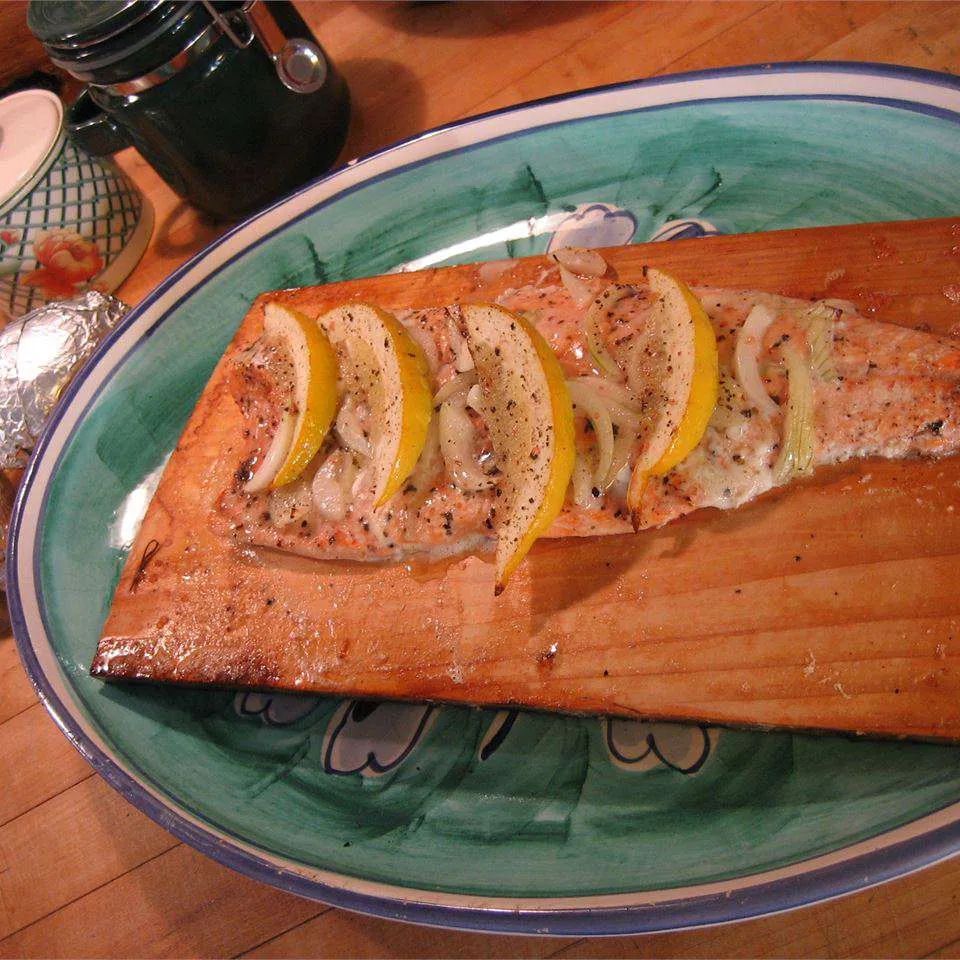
878,390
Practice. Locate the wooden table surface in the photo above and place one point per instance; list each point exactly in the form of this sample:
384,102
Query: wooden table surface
82,873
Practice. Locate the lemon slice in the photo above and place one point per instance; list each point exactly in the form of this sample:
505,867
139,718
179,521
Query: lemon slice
304,425
391,372
674,371
528,412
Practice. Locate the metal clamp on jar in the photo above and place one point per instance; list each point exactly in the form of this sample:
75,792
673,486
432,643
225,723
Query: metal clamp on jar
233,103
300,64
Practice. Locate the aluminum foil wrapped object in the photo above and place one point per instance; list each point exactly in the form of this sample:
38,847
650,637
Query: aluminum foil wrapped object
39,355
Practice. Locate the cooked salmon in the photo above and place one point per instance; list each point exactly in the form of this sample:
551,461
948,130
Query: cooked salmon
889,392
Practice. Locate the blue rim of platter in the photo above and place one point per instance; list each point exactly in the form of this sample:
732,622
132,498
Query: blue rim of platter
892,854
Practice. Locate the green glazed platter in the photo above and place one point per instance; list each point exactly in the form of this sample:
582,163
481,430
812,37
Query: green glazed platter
482,819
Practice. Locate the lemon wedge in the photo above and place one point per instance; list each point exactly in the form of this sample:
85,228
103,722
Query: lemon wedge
391,372
674,371
304,424
528,412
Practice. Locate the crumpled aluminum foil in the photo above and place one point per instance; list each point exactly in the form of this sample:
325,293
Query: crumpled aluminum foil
39,354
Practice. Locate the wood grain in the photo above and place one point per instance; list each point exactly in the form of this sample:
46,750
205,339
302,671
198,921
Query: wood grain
895,920
185,905
738,37
114,839
828,606
17,691
22,739
390,54
23,54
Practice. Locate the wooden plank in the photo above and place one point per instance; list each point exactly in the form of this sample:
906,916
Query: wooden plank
23,53
337,933
183,905
90,836
898,919
16,691
949,950
786,31
179,231
23,738
829,605
399,52
671,37
920,34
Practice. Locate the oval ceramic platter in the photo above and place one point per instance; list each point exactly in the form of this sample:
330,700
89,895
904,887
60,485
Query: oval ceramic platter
493,821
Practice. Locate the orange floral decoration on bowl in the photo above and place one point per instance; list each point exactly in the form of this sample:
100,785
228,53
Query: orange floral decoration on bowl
66,260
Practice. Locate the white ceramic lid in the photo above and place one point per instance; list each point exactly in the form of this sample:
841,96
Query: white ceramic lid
30,124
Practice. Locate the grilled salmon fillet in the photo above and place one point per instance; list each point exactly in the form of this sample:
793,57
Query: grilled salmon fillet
889,392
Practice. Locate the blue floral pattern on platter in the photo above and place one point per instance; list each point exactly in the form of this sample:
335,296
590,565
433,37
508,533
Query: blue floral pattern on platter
371,739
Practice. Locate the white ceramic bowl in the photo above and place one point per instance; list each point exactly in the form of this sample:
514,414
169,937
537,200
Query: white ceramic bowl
68,221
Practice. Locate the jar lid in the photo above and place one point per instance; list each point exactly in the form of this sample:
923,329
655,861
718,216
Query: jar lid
31,123
104,42
72,22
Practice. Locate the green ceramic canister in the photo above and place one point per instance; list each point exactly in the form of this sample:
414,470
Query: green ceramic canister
233,103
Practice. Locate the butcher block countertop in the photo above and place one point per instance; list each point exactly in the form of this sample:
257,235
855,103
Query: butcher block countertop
82,873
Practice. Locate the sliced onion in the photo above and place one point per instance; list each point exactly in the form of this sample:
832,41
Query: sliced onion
458,440
331,486
348,476
797,444
458,384
820,321
582,481
624,411
582,262
457,437
626,429
290,503
362,487
428,466
599,309
376,524
581,292
588,401
464,360
623,445
745,363
349,427
619,397
475,398
274,457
